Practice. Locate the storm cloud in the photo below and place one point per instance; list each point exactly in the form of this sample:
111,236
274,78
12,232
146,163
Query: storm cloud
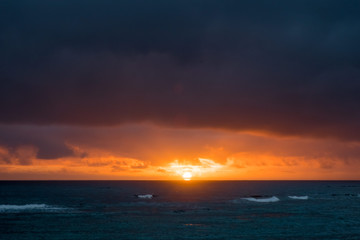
285,67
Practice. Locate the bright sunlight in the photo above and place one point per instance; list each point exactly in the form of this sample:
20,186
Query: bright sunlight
187,176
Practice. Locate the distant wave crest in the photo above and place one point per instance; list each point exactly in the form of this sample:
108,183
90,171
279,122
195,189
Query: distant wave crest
145,196
262,200
299,197
28,207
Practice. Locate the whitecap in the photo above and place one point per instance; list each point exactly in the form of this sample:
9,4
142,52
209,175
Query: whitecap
299,197
28,207
144,196
262,200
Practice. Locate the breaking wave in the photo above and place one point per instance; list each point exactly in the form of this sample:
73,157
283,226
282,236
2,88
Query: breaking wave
262,200
29,207
299,197
145,196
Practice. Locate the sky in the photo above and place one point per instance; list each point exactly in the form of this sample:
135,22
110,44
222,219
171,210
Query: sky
225,90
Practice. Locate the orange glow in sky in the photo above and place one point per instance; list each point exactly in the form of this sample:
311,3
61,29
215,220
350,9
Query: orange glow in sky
157,153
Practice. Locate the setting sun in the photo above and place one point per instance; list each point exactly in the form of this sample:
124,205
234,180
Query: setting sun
187,176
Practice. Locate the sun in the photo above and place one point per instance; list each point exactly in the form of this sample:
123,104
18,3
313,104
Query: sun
187,176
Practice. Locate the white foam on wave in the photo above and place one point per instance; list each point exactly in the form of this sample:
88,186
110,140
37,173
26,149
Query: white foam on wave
145,196
262,200
28,207
299,197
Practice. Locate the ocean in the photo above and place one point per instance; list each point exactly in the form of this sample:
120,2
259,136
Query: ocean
86,210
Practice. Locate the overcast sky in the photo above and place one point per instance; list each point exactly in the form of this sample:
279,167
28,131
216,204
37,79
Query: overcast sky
220,73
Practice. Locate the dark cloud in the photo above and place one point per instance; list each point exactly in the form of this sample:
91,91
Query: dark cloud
288,67
23,154
49,142
139,146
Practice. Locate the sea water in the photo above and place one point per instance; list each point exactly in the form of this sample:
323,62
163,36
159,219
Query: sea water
54,210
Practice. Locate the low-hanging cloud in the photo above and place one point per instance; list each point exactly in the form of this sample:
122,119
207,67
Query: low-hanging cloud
138,146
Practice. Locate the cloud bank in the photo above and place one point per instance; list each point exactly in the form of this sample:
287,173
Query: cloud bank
285,67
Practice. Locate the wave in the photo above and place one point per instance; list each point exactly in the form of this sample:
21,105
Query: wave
262,200
28,207
145,196
299,197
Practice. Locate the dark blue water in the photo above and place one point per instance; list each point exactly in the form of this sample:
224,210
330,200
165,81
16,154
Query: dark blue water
180,210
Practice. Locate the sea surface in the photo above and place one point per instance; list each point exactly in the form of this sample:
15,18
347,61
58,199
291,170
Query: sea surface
68,210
